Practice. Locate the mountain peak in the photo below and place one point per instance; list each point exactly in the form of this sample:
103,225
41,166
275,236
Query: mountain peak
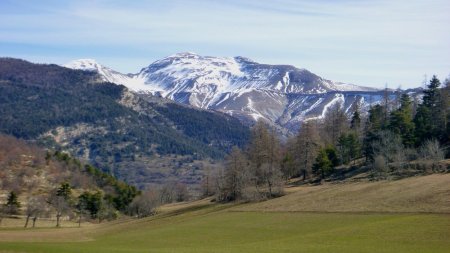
184,55
244,59
83,64
105,73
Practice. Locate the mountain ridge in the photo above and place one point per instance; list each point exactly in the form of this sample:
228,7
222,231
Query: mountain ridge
280,94
232,65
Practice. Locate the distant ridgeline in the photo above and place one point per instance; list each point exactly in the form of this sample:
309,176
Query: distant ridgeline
104,123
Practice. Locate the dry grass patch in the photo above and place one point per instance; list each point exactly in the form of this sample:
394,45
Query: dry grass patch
173,207
424,194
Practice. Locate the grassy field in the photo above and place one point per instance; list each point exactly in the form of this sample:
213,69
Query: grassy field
206,227
422,194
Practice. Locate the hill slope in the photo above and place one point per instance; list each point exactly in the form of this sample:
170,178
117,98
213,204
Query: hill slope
422,194
30,171
110,126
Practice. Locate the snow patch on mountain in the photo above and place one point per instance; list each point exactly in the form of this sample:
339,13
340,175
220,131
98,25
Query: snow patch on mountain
84,64
281,94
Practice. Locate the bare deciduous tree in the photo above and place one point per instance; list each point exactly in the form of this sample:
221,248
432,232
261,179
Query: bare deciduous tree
388,145
145,204
335,123
181,192
236,174
306,147
167,192
2,213
380,165
60,205
221,184
207,184
271,171
36,206
264,156
432,151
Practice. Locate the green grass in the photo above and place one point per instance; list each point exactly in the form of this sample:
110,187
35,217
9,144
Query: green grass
214,230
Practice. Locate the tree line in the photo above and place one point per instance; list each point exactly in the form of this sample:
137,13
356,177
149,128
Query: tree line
398,135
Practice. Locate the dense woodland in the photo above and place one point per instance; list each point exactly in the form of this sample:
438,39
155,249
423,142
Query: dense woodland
397,138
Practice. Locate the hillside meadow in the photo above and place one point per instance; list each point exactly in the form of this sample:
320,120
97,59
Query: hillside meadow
255,232
204,226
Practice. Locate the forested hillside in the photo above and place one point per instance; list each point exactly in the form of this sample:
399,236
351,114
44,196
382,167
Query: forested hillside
396,139
104,123
39,183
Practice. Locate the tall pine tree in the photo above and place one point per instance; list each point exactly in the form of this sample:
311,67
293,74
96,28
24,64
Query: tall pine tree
322,166
401,121
375,123
428,120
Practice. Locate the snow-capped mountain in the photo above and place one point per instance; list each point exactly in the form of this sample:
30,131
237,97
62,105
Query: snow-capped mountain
107,74
281,94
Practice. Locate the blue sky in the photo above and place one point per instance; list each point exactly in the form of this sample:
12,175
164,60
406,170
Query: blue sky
364,42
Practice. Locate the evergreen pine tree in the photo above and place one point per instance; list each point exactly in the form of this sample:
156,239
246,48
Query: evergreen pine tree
355,123
445,105
64,191
332,155
376,120
12,203
375,124
428,120
349,147
401,121
323,165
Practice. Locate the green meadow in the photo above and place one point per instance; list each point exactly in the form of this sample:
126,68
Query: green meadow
216,228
